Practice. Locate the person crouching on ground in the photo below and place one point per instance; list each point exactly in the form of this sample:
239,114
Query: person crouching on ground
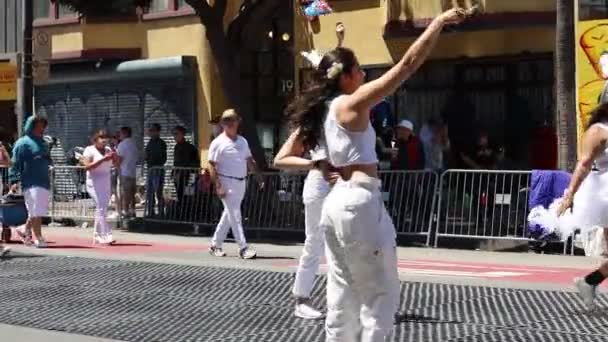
98,159
31,161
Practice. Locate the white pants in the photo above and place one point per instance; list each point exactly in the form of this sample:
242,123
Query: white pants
362,280
101,191
36,201
314,193
231,217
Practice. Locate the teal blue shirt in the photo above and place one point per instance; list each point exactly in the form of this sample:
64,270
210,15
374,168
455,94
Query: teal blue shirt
31,160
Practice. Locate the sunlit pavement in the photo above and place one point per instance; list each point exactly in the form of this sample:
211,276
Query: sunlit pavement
167,288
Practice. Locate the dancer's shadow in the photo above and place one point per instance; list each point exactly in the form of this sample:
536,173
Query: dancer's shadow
274,258
403,317
14,255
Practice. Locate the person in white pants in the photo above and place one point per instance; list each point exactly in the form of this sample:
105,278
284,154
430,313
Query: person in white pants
362,280
229,159
316,188
98,160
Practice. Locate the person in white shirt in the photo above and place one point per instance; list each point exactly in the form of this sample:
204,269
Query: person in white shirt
363,289
98,160
316,188
128,156
229,159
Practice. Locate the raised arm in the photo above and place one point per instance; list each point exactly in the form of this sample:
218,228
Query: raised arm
373,92
289,156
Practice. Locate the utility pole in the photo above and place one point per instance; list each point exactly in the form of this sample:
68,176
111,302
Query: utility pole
26,81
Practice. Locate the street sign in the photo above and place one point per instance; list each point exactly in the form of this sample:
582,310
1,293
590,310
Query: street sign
41,72
8,82
42,45
43,50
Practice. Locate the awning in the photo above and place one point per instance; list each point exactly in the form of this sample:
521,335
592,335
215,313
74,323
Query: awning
410,17
169,67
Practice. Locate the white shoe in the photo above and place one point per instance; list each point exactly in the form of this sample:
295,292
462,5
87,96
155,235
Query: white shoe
41,243
217,252
586,291
102,241
25,235
4,251
109,239
305,311
248,253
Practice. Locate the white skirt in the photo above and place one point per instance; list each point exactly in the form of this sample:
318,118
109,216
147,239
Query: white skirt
590,208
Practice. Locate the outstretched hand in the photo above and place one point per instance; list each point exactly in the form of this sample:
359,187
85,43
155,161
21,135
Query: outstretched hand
454,16
565,204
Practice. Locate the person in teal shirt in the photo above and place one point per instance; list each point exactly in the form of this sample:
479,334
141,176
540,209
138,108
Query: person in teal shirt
30,167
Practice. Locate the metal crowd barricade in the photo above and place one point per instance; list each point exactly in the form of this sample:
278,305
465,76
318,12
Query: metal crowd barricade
179,195
481,204
70,199
278,206
410,198
4,180
188,198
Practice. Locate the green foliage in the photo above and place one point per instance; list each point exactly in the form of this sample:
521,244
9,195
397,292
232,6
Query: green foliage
97,8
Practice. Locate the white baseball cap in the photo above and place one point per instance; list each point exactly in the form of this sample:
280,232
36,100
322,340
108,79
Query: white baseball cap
406,124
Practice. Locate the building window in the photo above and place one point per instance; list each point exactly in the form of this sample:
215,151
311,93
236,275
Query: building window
157,6
181,4
592,9
64,11
42,9
47,12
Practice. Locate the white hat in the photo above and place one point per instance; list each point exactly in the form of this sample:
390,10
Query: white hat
406,124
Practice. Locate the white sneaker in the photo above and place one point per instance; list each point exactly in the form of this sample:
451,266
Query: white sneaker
109,239
41,243
586,291
248,253
98,240
305,311
215,251
25,235
4,251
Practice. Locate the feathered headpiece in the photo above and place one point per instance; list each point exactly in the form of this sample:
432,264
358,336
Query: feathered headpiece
313,57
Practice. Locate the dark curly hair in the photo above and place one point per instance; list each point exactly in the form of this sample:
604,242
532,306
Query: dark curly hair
599,115
307,111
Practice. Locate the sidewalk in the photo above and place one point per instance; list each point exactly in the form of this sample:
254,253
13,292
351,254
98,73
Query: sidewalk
499,269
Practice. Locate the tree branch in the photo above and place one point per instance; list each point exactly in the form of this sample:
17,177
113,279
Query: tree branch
220,8
201,7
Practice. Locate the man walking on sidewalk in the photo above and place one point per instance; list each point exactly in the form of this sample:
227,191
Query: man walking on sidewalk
31,162
229,158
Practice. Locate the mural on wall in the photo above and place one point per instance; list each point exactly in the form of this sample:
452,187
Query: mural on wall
591,59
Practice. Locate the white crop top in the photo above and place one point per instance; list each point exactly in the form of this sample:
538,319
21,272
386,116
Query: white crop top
346,147
601,162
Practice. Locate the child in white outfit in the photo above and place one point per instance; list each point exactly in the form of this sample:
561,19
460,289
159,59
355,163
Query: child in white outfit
98,160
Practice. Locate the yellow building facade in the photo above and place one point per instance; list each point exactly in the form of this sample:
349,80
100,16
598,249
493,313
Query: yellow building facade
380,31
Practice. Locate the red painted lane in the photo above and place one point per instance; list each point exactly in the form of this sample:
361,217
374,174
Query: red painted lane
472,270
67,242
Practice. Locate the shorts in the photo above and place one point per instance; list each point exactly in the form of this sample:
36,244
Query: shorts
36,201
128,186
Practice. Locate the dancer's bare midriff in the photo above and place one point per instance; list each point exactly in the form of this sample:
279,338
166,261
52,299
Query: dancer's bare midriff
355,172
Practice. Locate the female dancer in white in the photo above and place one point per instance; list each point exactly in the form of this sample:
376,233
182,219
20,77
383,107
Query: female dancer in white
587,195
98,160
363,284
316,188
